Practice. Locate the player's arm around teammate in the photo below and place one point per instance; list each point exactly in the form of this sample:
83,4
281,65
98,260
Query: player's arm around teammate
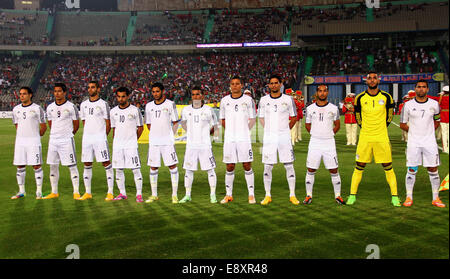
29,120
95,115
63,120
199,122
322,122
238,115
422,113
278,114
161,117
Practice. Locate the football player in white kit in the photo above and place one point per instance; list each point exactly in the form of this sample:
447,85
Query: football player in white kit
95,114
274,112
422,113
199,121
237,113
322,122
161,117
127,125
63,120
29,119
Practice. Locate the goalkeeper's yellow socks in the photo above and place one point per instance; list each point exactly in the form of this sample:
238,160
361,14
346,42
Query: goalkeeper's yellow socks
391,179
356,179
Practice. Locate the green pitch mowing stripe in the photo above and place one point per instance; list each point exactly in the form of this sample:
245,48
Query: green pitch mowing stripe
125,229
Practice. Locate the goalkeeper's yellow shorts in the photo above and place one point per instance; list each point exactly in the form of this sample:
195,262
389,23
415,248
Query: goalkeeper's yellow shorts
380,151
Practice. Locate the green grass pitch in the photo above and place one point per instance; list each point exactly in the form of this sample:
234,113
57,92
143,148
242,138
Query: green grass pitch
43,228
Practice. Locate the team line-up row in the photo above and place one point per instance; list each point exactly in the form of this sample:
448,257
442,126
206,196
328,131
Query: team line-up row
373,110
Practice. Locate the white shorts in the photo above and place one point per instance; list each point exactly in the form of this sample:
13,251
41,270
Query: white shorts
167,152
62,151
285,153
237,152
319,150
126,158
27,155
193,156
98,149
422,156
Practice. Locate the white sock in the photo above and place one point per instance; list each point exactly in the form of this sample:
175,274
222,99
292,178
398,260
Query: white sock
250,178
435,183
229,179
54,178
174,176
138,181
188,179
74,177
290,176
154,182
268,179
336,180
39,176
21,179
120,180
309,181
410,180
87,178
212,179
110,178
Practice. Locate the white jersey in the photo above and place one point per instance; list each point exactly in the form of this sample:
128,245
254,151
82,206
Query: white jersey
276,113
322,120
62,117
28,120
421,118
160,117
125,121
94,115
199,122
237,112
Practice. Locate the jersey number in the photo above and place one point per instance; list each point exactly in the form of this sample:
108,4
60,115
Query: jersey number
91,111
135,160
122,118
58,113
24,115
157,113
321,117
196,118
236,108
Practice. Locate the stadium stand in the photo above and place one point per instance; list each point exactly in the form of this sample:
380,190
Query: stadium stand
15,72
236,27
178,73
23,28
169,29
89,29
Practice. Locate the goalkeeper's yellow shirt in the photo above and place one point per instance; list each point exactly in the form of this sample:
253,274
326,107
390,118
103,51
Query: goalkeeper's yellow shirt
373,115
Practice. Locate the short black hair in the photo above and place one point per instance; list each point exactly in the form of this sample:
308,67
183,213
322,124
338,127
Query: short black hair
275,76
123,89
239,78
372,72
322,84
95,82
421,80
62,85
197,88
28,89
159,85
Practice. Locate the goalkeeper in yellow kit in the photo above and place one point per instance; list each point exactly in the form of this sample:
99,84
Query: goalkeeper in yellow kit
373,111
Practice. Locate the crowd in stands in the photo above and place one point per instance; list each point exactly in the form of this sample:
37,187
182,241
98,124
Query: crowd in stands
182,29
341,12
107,41
12,30
230,26
385,60
178,73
